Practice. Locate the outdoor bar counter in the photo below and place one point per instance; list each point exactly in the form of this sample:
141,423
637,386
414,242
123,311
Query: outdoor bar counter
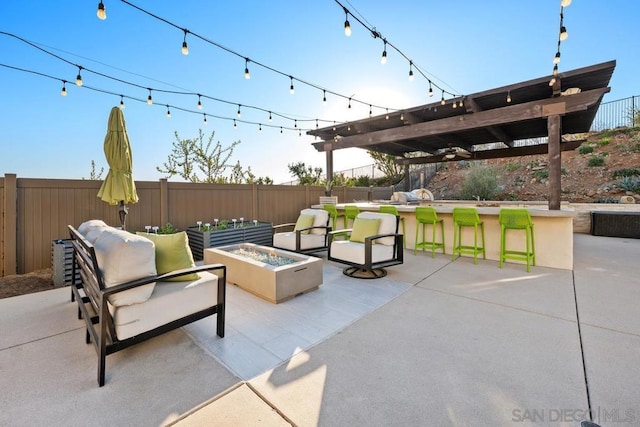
553,229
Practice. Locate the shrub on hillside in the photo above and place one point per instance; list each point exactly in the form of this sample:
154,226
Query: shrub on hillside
480,182
595,161
620,173
585,149
630,183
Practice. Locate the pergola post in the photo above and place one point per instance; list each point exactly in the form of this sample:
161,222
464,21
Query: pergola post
329,155
407,178
554,125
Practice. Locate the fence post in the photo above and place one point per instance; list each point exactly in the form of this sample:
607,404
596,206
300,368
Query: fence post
164,201
9,225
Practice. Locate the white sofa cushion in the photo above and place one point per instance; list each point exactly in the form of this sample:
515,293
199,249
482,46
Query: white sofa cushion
307,241
122,257
387,225
170,301
92,229
354,252
321,219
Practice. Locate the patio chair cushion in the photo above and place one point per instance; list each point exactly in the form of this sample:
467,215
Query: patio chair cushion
172,253
123,257
288,241
91,229
170,301
364,227
387,226
321,219
353,252
304,221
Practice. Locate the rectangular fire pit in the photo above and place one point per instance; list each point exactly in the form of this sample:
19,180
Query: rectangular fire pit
274,283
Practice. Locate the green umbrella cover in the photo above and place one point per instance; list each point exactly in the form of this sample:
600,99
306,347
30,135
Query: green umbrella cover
118,187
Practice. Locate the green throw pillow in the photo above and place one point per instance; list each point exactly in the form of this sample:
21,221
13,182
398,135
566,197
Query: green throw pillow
172,253
364,227
304,221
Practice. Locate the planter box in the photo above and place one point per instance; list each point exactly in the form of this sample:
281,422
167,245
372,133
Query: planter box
328,200
272,283
261,234
62,262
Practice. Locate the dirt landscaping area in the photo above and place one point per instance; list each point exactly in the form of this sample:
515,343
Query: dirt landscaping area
20,284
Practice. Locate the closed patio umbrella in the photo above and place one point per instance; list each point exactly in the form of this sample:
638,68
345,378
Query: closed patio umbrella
118,187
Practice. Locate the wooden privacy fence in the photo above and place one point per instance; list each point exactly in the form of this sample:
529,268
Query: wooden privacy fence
35,212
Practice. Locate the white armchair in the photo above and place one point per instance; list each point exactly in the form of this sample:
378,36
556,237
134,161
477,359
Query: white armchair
309,233
374,243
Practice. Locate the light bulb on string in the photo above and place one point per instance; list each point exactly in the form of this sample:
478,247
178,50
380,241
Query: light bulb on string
235,125
238,113
455,104
347,26
247,75
149,99
299,133
316,123
552,81
63,92
460,104
270,118
402,117
555,70
102,12
121,102
205,118
324,97
79,77
185,48
556,59
410,71
370,111
430,89
563,33
199,103
260,128
168,113
509,96
349,103
280,129
291,89
442,102
295,124
387,116
383,58
565,3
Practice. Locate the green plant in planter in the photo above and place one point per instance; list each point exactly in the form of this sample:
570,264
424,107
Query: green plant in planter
168,228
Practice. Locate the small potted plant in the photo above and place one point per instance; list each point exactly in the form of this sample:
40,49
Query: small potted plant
328,199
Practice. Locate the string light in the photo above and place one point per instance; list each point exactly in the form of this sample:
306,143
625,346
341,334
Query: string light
168,113
402,117
349,102
270,118
280,129
247,75
238,112
199,103
121,102
260,128
461,104
508,96
430,89
234,124
79,77
387,116
316,123
63,92
295,124
149,99
563,33
555,70
370,112
562,36
291,89
185,48
324,97
102,13
552,81
556,59
347,26
205,118
565,3
383,58
455,104
442,99
410,71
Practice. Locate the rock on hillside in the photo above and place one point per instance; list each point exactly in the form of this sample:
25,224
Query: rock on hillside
592,173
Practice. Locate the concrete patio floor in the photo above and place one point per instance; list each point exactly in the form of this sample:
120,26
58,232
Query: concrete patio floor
464,345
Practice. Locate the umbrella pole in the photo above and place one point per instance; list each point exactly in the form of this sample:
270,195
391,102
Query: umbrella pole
122,211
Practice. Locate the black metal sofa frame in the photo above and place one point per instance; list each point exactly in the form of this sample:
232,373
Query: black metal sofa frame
91,295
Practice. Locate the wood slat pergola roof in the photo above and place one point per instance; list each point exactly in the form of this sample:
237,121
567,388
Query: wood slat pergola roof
486,117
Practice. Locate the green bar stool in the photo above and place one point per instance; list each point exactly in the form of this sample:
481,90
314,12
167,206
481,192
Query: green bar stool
426,215
394,211
333,214
467,217
517,219
350,213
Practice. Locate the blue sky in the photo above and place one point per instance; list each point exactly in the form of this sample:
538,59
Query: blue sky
465,46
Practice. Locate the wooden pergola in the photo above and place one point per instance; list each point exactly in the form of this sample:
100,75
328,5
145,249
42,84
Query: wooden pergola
435,133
